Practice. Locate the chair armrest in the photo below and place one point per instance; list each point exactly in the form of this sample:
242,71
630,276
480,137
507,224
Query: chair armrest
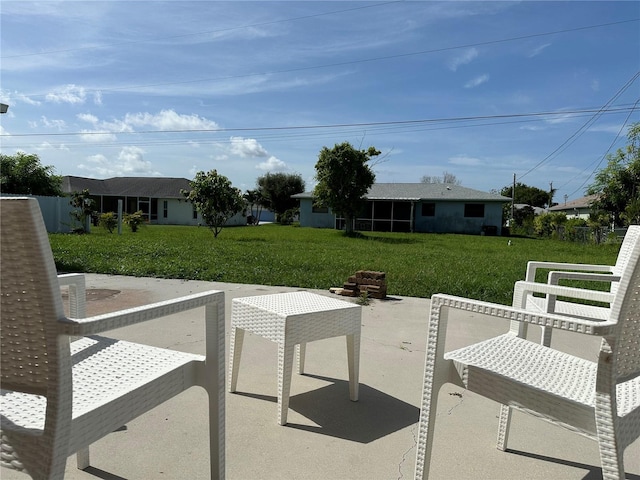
77,293
555,276
522,289
584,267
131,316
589,327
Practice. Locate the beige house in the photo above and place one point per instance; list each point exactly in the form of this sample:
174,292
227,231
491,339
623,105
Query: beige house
579,208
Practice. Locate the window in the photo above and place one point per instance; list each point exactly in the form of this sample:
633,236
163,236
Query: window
319,209
474,210
428,209
195,213
401,211
165,208
382,210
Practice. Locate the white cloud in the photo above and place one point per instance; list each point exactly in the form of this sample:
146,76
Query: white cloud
14,97
130,162
48,146
273,164
246,147
466,160
170,120
71,93
538,50
58,124
87,117
477,81
595,85
92,136
466,57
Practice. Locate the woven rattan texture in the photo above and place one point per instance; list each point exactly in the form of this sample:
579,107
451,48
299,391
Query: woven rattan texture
56,400
303,316
27,300
291,319
599,399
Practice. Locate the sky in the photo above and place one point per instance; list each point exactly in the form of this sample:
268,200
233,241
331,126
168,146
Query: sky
542,90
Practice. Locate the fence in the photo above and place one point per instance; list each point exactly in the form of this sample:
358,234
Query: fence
56,212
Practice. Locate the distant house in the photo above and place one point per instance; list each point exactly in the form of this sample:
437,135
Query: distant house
158,198
415,207
579,208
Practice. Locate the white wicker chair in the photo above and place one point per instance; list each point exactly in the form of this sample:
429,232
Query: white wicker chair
58,396
577,271
598,399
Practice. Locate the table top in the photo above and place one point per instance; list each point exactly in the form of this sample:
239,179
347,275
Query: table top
294,303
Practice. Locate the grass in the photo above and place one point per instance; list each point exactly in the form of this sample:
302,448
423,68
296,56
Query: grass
416,265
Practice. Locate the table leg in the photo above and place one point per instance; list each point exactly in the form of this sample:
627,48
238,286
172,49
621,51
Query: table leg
302,352
235,351
353,354
285,368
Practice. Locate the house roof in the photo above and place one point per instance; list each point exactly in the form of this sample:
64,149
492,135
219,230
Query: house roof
154,187
584,202
424,191
536,210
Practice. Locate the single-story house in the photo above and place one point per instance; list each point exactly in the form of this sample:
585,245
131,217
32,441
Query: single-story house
415,207
159,198
579,208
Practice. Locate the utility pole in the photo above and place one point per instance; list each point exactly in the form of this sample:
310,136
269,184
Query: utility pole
550,194
513,200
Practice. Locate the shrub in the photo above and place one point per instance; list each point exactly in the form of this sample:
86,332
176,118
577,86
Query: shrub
109,221
134,220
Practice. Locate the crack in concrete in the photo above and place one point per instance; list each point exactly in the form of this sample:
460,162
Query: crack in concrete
404,455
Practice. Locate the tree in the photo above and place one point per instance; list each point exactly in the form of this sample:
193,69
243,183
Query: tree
276,190
215,199
447,178
532,196
617,186
23,173
84,207
255,200
527,195
344,177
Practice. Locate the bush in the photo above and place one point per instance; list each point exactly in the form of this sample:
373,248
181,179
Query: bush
288,217
548,224
109,221
134,220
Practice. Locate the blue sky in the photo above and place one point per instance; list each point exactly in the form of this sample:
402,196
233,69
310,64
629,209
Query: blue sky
482,90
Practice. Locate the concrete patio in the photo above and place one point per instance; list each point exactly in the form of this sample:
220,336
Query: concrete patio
328,436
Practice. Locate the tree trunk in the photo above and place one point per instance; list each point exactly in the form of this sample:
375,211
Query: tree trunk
348,224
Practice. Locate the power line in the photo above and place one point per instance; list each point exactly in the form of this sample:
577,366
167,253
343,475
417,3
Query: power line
607,151
584,127
576,112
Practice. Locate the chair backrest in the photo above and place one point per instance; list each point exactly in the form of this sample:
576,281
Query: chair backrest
625,309
34,359
631,238
31,302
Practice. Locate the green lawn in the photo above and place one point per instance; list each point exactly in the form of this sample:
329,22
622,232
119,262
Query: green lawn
416,265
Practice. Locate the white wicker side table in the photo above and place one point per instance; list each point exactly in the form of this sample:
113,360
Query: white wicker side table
291,319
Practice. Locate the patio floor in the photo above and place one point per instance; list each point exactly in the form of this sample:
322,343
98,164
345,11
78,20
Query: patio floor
328,436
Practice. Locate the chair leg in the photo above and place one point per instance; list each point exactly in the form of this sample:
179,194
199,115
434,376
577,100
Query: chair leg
435,377
504,425
235,352
611,452
353,357
285,368
611,456
302,353
82,458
